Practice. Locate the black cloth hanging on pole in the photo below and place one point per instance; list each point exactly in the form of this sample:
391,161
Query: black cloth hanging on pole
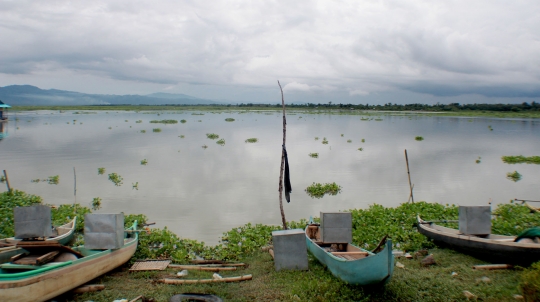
287,179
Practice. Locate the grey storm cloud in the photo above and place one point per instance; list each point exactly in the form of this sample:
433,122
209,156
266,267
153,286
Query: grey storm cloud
358,48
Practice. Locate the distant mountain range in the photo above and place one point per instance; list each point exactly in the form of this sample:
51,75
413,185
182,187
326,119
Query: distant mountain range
27,95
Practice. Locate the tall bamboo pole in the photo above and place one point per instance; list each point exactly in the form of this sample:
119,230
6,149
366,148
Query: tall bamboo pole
409,173
283,220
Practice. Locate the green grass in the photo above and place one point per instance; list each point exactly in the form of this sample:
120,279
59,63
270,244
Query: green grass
519,159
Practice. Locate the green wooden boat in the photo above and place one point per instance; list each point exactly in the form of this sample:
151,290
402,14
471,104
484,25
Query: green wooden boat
63,235
350,263
41,283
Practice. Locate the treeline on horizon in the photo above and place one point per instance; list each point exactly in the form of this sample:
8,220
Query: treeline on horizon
414,107
452,107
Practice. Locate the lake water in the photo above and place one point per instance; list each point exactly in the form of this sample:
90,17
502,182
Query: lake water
199,193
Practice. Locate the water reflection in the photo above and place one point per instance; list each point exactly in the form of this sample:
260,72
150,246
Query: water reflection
200,193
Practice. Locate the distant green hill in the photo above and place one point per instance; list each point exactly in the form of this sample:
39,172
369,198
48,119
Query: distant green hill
27,95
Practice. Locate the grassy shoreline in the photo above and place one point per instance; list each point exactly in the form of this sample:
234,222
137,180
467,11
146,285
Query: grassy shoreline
445,281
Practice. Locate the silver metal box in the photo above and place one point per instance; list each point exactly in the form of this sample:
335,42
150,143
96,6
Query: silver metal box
475,220
336,227
104,231
290,250
31,222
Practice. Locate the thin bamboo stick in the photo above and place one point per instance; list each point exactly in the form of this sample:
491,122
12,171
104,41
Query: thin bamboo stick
193,281
492,266
7,181
409,174
202,268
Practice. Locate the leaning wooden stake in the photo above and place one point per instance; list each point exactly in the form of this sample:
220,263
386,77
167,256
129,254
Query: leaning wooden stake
7,181
283,220
409,173
492,266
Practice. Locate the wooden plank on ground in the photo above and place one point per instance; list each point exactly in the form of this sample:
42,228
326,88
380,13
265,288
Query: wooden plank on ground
192,281
202,268
150,265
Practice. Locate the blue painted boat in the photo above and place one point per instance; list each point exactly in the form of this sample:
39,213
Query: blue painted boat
350,263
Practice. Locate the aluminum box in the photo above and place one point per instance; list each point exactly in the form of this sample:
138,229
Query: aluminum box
290,250
336,227
104,231
32,222
475,220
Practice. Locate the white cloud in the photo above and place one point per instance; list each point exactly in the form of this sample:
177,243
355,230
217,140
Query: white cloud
355,48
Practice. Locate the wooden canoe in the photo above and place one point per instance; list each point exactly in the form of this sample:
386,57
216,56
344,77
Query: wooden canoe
350,263
55,278
492,248
65,234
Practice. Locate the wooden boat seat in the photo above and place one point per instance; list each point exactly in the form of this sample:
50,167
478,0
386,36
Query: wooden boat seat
41,252
350,255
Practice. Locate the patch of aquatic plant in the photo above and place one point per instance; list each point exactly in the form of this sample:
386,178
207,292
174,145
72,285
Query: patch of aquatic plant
252,140
197,114
419,138
229,119
316,138
144,162
126,121
2,179
212,136
363,140
100,171
164,122
360,149
314,155
325,141
162,243
183,121
378,119
513,176
349,141
181,136
204,146
364,119
318,190
341,134
143,131
156,130
519,159
490,128
10,200
221,142
478,160
116,179
110,128
135,186
53,180
138,122
96,203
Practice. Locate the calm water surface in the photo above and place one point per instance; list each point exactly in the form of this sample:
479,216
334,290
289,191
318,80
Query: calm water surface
199,193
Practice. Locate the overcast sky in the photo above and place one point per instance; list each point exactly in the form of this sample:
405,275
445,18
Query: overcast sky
321,51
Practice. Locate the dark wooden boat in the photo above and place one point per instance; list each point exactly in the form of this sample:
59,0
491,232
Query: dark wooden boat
492,248
350,263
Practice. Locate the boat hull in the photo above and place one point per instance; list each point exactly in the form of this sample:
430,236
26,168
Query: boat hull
49,284
372,270
493,248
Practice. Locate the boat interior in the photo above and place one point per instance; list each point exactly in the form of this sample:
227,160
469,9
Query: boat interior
340,250
433,226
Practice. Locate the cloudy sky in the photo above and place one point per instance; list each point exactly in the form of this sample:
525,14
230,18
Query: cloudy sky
340,51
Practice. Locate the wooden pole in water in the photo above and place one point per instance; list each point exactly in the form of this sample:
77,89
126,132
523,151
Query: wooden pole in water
283,220
75,184
409,174
7,181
